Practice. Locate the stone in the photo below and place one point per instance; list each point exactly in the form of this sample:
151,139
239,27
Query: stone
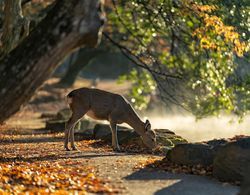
232,159
101,131
124,134
165,137
216,144
164,131
191,154
86,124
55,126
63,114
48,115
56,123
84,135
245,187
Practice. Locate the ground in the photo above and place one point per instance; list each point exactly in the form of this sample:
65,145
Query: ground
34,160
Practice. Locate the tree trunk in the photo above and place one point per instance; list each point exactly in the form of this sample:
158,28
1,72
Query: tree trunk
84,57
68,25
12,25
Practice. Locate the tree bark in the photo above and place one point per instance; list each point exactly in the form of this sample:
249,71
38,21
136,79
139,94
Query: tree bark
84,57
68,25
12,25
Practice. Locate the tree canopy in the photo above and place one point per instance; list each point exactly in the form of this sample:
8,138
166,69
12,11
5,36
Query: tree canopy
193,53
188,50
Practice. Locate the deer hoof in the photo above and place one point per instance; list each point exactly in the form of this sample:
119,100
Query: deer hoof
75,148
116,149
66,148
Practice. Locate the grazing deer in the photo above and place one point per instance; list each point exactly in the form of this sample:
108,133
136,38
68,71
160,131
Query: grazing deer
103,105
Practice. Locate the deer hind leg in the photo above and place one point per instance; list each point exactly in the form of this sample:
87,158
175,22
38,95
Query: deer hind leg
115,144
69,129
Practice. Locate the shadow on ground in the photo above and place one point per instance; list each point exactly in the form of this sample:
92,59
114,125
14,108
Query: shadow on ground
181,184
66,155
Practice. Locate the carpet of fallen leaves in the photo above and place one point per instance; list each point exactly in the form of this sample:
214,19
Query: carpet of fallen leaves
50,177
170,167
33,165
141,149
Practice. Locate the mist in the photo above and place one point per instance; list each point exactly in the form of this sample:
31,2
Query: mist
205,129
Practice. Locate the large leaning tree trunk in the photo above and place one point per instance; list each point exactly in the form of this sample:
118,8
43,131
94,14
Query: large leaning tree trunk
69,24
84,57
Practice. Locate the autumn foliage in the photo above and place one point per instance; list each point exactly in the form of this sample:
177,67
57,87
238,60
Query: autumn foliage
63,177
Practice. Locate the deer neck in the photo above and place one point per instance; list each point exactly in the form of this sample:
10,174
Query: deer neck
136,123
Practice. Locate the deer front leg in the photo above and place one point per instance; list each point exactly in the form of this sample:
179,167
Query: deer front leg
115,144
72,136
68,127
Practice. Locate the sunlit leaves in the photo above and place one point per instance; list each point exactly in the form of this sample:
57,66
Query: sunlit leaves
189,38
142,87
49,177
171,167
218,36
44,167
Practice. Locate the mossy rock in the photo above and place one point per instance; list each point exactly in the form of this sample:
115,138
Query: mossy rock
124,134
168,138
63,114
55,126
84,135
86,124
164,141
59,125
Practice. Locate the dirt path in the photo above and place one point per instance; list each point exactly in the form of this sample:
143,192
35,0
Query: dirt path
120,168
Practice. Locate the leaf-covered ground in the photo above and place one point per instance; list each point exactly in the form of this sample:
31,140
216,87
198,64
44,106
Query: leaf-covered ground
35,164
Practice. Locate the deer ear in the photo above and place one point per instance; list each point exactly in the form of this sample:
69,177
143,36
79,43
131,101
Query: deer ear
147,125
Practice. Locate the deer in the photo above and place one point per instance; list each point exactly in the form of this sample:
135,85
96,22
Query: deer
103,105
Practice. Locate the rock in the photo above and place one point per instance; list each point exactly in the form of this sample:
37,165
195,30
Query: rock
168,138
48,115
165,149
216,144
103,131
164,131
165,137
194,153
231,160
191,154
245,187
55,126
56,123
86,124
63,114
84,135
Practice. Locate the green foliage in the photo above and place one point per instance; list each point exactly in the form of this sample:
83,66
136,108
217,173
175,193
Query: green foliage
142,87
197,40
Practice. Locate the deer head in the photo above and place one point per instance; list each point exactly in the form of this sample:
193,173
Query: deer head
149,136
